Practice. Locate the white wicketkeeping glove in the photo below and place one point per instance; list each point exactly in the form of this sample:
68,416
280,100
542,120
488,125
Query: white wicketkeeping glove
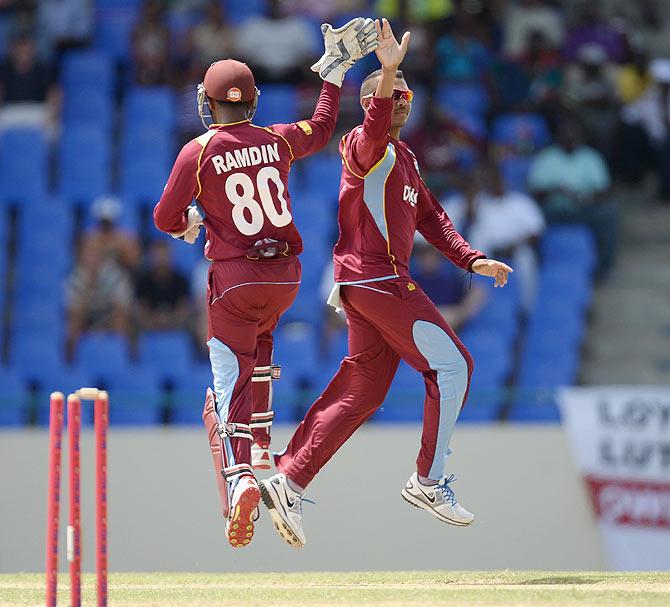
345,46
192,231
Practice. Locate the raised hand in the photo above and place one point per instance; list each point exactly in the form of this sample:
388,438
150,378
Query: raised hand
494,269
389,52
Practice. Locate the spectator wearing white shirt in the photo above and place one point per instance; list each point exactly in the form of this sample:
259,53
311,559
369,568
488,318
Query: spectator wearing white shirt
501,222
276,47
571,181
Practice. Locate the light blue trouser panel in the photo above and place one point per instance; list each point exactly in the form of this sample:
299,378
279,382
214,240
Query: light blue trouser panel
452,381
226,371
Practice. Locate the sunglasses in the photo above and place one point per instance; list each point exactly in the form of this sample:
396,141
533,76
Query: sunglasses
405,94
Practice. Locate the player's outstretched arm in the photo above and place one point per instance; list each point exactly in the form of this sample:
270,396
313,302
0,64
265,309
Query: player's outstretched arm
343,47
364,147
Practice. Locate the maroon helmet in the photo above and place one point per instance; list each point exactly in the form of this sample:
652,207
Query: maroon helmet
227,81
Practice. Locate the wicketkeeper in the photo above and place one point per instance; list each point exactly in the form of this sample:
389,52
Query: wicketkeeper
238,174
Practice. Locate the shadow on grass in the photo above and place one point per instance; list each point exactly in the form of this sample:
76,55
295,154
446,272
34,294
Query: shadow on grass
559,579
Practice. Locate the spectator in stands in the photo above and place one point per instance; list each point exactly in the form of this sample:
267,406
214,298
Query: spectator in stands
591,28
29,94
500,221
445,145
151,45
325,11
590,92
446,285
525,16
571,180
645,137
212,38
633,76
108,240
64,24
276,47
98,297
162,292
459,54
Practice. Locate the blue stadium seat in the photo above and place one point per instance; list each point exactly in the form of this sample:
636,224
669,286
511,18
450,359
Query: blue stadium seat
143,180
238,12
322,176
168,353
88,106
23,165
150,105
103,354
296,349
188,394
12,399
114,22
87,68
135,398
522,133
570,244
463,98
277,104
85,161
515,172
542,409
147,140
34,355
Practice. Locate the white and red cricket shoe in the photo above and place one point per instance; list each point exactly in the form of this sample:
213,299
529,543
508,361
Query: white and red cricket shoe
243,511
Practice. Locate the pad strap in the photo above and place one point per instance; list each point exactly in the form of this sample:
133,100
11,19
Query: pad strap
233,472
261,420
233,430
267,373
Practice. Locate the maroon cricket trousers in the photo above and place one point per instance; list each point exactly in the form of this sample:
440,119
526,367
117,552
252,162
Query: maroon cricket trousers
387,320
246,298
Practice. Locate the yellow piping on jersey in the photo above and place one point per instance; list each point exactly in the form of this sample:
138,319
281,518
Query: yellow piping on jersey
228,123
203,140
346,162
388,238
269,130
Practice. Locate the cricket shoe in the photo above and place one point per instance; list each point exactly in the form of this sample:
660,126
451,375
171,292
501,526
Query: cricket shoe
243,512
437,499
285,508
261,458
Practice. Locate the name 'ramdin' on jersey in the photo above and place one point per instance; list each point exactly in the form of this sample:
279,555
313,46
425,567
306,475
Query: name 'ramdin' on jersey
245,157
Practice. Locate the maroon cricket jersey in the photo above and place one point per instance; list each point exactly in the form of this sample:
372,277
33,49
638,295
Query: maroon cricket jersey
383,202
238,173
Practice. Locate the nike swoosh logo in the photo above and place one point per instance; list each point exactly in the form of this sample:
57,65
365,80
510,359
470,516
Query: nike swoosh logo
431,499
288,501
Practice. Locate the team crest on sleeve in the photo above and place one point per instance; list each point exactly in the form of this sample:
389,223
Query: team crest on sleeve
305,127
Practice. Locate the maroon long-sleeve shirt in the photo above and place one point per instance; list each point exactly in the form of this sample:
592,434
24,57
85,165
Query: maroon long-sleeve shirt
383,202
238,173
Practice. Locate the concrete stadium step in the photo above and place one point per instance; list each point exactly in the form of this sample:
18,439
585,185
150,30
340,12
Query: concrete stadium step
629,332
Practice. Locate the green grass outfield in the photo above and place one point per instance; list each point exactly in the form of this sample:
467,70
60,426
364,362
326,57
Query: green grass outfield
425,588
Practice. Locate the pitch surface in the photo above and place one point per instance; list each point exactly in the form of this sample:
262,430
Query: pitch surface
456,589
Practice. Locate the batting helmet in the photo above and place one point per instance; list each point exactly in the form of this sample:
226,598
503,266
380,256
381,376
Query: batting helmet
227,81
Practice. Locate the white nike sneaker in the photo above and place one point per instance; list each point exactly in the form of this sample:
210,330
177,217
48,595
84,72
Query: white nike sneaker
261,458
285,508
243,512
438,499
